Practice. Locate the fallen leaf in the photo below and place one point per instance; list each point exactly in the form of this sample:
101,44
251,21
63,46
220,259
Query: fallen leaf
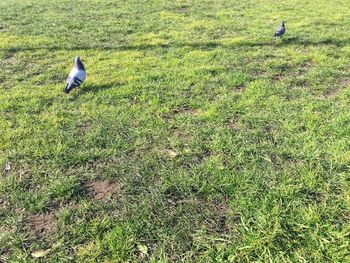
7,167
142,248
171,153
40,253
267,159
57,245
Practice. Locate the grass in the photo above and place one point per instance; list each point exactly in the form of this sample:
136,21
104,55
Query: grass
196,137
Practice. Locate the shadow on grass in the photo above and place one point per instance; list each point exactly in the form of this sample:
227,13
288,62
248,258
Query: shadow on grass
322,42
197,45
97,88
85,89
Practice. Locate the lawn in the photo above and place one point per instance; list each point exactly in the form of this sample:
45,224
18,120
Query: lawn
196,137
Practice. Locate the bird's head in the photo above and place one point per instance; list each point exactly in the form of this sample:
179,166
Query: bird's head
67,89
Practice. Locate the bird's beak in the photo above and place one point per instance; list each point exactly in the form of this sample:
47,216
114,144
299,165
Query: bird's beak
67,90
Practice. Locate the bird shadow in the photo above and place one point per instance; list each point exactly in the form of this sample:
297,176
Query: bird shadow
91,88
75,94
322,42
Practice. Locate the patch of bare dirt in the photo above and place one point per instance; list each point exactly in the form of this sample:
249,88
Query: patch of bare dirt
278,77
181,9
345,82
102,189
331,93
240,88
312,195
219,222
41,224
186,111
234,124
85,128
346,217
2,203
216,213
5,251
7,168
307,65
10,59
181,135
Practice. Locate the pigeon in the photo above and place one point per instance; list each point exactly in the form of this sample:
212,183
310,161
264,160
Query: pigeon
281,30
76,77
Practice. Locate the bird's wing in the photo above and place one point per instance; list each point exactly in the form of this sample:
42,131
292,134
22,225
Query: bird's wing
279,31
81,75
76,74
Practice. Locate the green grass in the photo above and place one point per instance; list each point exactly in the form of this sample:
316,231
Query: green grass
220,144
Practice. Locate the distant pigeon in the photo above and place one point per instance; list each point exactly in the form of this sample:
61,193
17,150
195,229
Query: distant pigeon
280,31
76,76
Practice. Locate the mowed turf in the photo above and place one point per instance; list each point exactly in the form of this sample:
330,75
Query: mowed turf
197,137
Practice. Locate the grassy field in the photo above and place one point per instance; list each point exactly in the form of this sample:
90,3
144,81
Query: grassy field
196,137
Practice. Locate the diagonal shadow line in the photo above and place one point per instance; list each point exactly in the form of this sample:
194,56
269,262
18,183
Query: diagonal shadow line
97,88
91,88
292,41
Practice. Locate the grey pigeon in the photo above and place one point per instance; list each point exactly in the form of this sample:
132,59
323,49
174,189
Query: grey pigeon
281,30
76,77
